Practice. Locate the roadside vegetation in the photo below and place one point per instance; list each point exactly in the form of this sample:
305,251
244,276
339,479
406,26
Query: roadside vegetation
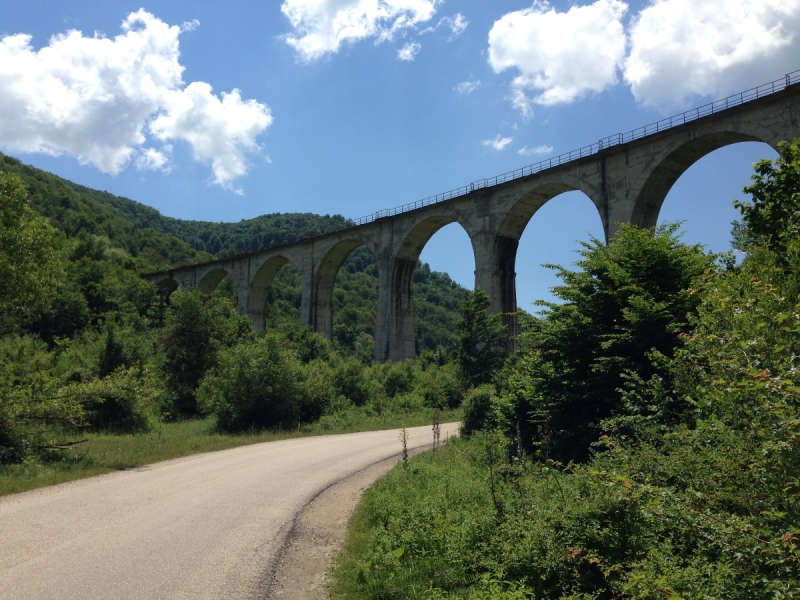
642,443
97,374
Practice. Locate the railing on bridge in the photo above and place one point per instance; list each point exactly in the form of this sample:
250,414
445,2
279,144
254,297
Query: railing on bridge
613,140
688,116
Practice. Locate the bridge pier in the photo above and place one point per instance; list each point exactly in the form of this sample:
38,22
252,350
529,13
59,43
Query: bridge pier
394,331
495,274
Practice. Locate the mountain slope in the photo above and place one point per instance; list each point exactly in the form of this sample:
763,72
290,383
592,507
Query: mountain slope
161,241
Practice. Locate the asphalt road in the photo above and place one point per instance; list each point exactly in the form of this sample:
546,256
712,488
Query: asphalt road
206,526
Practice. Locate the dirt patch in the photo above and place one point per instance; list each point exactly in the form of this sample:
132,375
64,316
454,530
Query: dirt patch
317,535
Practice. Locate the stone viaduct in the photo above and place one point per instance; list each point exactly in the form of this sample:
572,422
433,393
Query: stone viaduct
627,177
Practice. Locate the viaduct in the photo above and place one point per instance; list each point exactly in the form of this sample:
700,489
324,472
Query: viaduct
627,177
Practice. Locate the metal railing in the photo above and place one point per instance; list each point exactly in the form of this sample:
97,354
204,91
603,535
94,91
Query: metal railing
688,116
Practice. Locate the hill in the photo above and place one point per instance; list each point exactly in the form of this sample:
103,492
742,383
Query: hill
157,241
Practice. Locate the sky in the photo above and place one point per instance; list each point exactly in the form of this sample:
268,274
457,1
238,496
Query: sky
225,111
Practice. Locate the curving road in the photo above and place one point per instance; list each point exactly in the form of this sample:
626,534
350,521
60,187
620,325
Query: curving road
206,526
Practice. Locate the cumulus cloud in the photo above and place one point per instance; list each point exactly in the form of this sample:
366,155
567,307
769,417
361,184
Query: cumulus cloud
684,48
321,27
106,101
560,56
538,150
409,51
498,143
467,87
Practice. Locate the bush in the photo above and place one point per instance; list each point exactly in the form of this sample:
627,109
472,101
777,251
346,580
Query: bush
196,329
261,384
441,386
627,299
479,410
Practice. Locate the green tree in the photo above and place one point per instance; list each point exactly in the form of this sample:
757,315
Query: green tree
30,265
196,329
262,383
627,299
482,338
772,218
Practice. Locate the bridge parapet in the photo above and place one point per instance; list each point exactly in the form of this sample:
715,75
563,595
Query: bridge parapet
627,177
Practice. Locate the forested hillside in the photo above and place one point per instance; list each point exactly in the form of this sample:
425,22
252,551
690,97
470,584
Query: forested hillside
87,351
162,241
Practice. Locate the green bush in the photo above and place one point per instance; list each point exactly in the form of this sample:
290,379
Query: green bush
261,384
196,329
479,410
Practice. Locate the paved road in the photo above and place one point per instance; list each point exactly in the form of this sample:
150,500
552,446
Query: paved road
205,526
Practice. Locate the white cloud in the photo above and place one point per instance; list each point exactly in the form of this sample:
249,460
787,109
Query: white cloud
105,101
409,51
321,27
525,151
457,24
682,48
499,143
151,159
559,56
467,87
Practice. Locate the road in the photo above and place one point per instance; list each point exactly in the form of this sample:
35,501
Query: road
206,526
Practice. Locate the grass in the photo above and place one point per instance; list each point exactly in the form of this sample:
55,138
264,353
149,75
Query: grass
107,452
435,488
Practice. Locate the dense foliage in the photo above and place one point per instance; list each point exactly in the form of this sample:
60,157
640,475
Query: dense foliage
87,345
692,489
626,299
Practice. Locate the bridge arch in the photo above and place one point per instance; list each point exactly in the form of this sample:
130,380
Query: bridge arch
395,337
496,262
259,288
520,213
325,279
676,158
167,286
211,279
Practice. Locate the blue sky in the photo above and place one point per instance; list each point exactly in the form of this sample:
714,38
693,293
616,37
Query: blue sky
350,106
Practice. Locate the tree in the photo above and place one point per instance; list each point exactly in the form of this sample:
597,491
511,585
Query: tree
627,299
196,329
773,217
30,266
482,338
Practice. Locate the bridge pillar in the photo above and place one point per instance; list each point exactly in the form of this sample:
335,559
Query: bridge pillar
495,275
394,331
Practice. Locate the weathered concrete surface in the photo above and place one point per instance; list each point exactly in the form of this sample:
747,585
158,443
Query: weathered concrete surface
207,526
627,184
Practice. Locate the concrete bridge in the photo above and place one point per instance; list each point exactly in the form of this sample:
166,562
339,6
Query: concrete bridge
627,177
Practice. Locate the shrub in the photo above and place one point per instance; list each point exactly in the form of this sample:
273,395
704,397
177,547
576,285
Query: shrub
196,329
261,384
479,410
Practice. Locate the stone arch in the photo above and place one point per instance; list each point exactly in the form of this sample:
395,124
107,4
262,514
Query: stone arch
210,280
395,334
522,210
167,286
259,288
414,241
324,281
496,265
677,159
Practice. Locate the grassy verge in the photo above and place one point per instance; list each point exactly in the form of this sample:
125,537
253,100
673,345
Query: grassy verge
384,556
106,452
